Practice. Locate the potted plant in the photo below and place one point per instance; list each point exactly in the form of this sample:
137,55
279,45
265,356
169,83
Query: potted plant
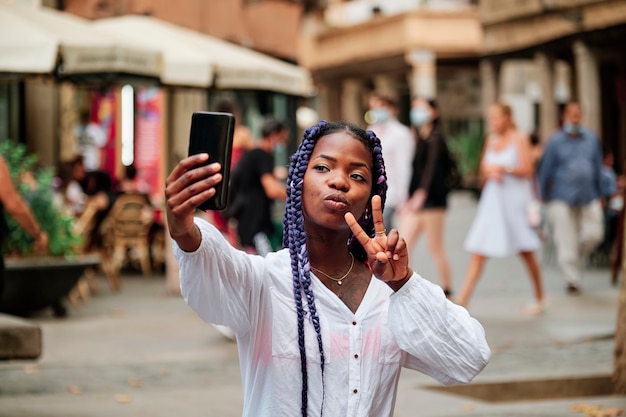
34,281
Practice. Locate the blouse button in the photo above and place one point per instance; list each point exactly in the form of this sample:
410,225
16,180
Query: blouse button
354,323
356,356
355,390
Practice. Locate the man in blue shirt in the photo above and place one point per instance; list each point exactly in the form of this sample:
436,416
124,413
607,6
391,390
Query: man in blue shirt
570,182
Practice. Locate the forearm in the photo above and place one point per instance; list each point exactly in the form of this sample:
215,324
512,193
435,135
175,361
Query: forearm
519,171
22,214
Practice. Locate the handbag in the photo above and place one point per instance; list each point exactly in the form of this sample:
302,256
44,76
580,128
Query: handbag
534,212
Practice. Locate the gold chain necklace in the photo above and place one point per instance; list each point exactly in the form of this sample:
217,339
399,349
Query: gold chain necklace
337,280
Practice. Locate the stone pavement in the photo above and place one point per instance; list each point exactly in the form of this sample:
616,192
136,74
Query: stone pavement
143,352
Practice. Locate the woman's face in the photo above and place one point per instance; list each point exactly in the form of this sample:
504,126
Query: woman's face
498,121
338,180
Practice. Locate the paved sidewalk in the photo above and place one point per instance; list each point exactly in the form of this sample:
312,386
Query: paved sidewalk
142,352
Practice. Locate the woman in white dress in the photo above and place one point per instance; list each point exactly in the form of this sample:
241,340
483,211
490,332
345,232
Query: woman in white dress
501,227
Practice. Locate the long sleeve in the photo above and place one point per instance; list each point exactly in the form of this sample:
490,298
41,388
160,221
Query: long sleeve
597,167
546,171
218,281
441,338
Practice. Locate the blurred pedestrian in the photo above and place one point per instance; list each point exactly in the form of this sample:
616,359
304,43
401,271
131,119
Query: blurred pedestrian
570,175
398,149
16,207
91,138
254,187
425,210
325,325
74,185
501,227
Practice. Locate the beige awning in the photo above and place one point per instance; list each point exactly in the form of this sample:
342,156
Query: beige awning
235,67
32,39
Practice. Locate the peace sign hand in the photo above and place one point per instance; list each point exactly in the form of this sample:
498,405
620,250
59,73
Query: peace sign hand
387,253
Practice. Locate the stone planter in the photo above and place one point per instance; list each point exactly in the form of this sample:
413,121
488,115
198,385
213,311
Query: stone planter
36,283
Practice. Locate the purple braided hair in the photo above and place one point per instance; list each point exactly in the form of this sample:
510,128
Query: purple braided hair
294,236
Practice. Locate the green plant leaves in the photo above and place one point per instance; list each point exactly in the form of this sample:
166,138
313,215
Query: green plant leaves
39,195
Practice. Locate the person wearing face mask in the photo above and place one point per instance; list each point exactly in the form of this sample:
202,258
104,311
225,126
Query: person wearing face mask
569,176
398,148
425,209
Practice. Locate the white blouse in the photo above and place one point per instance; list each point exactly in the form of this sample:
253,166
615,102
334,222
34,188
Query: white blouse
415,327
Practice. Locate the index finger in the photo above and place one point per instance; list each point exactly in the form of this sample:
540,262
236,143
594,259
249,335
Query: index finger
356,228
185,164
377,215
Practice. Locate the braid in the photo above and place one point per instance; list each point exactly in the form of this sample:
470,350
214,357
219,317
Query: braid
294,236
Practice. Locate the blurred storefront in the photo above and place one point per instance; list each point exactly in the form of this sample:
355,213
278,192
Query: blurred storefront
138,77
405,48
198,69
540,54
53,66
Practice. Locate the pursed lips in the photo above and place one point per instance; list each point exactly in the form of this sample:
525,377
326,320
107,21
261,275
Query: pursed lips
336,202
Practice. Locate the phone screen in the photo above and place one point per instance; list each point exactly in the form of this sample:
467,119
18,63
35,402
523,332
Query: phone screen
212,133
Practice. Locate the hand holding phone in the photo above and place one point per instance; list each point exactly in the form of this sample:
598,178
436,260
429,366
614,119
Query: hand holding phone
212,133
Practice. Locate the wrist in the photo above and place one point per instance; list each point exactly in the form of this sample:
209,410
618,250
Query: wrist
396,285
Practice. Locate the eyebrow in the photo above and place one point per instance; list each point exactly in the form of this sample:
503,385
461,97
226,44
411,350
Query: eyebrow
330,158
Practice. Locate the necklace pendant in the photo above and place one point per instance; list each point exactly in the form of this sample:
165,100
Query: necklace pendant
339,282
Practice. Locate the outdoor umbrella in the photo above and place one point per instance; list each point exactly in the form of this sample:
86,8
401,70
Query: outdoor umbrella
41,40
234,66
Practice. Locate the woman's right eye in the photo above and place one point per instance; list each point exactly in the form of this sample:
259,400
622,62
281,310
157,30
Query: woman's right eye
320,168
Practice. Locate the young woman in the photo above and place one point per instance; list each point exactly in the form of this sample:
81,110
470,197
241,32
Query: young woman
501,227
427,205
325,325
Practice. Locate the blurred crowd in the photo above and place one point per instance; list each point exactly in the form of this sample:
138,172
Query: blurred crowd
560,191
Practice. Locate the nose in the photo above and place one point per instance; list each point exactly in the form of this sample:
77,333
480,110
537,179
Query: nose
338,181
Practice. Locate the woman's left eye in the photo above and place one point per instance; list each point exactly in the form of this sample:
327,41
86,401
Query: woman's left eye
358,177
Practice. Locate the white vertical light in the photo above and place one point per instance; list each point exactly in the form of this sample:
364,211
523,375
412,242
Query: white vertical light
128,125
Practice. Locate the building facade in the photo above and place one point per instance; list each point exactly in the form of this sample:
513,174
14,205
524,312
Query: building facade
243,22
404,48
539,54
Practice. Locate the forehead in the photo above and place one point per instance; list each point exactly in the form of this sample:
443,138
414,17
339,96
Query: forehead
420,102
342,145
377,101
573,109
496,111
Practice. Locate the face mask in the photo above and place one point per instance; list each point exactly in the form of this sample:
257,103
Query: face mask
419,116
571,129
380,115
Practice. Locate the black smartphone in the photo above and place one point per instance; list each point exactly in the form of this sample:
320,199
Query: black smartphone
212,133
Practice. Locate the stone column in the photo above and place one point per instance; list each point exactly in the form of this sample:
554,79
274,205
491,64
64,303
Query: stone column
68,118
423,77
489,80
588,85
548,117
351,110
